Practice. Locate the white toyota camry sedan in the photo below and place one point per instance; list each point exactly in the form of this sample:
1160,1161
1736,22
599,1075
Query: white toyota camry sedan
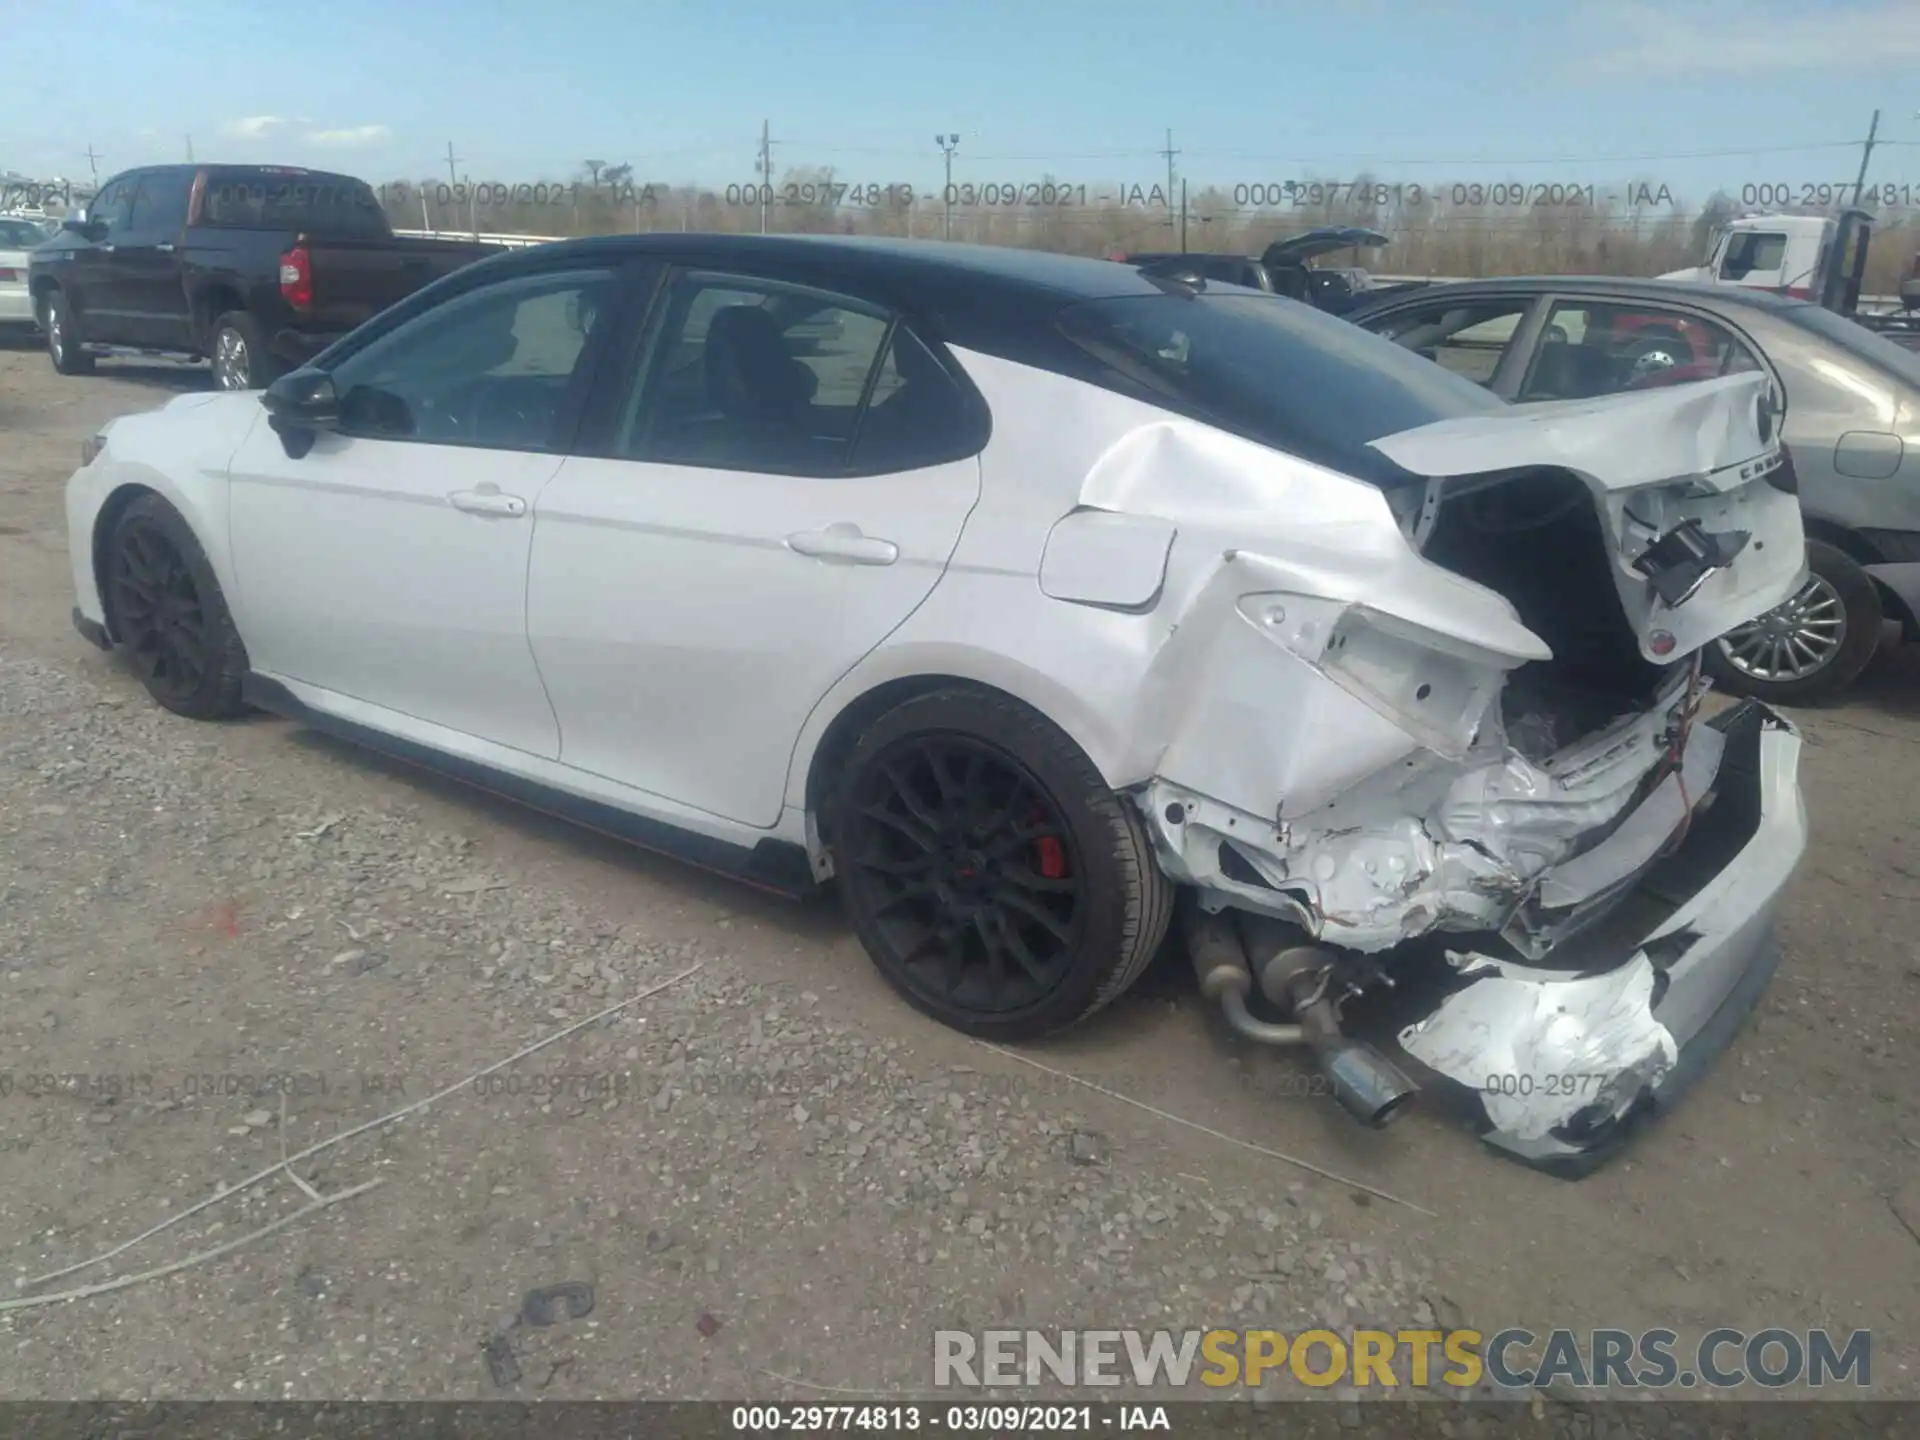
1032,601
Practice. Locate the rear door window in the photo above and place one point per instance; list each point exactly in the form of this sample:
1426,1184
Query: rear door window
1589,349
752,374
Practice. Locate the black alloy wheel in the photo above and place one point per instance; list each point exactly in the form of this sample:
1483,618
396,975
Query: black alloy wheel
994,877
969,872
169,615
160,615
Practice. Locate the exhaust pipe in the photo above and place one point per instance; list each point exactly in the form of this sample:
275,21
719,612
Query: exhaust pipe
1297,976
1365,1082
1220,962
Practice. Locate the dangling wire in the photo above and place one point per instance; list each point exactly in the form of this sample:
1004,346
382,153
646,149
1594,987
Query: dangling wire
1677,756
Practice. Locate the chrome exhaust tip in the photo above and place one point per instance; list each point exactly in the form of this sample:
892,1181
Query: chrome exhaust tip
1368,1086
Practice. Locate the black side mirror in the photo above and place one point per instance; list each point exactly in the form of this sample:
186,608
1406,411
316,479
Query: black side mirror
86,229
299,405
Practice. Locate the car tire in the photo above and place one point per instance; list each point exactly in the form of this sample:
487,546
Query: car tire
63,337
238,349
994,877
166,609
1837,589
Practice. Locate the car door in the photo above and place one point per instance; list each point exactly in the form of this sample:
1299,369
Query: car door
1484,338
92,289
387,565
143,271
777,480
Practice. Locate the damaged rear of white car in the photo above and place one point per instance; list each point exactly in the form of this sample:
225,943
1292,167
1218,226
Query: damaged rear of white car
1422,731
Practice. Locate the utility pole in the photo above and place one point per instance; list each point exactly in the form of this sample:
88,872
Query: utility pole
93,162
453,177
1170,152
189,149
765,167
948,144
1866,154
1183,215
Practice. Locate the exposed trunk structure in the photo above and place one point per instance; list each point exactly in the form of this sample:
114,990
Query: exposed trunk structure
1494,736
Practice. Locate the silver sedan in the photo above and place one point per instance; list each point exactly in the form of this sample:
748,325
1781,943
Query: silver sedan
1851,425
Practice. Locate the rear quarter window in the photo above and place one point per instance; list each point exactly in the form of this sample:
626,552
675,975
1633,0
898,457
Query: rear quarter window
1274,371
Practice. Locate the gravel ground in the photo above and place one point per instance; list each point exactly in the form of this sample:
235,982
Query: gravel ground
221,944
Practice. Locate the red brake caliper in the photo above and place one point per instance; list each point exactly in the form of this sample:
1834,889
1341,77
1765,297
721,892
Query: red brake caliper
1050,856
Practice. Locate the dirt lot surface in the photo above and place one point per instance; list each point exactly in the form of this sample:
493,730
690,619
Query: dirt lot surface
772,1171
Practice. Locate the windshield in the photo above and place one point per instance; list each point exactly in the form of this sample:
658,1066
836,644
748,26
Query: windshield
1856,339
1275,371
20,234
324,205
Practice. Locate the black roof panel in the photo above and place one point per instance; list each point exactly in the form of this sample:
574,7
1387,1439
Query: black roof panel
938,264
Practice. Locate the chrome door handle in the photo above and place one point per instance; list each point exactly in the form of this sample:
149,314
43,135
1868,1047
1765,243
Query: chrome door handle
843,542
488,502
164,249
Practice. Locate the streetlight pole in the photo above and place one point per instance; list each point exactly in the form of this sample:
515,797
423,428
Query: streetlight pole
948,144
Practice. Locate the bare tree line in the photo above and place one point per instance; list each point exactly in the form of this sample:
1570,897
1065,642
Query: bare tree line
1435,236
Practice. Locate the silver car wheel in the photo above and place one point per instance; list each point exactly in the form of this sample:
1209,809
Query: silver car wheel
1793,641
231,363
56,338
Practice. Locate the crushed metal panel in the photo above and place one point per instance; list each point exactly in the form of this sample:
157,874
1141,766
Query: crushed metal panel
1662,465
1540,1050
1624,441
1641,836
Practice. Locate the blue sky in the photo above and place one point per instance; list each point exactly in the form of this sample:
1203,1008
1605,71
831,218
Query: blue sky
1689,93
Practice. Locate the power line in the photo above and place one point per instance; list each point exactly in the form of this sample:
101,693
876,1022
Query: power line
1528,160
1384,157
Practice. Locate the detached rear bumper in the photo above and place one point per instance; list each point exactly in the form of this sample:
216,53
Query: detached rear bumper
1565,1057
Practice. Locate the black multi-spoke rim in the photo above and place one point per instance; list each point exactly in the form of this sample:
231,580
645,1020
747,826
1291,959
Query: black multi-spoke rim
967,872
158,609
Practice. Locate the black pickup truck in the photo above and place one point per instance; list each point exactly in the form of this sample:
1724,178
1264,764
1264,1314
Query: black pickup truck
255,267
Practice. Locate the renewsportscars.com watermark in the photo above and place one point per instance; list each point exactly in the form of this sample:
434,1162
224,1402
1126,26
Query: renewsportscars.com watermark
1217,1359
